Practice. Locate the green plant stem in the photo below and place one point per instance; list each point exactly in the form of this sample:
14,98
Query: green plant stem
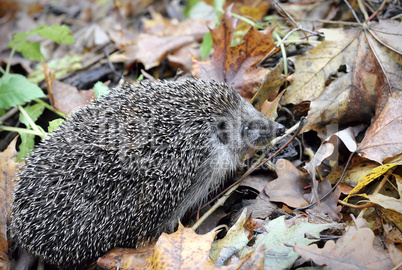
31,122
48,106
283,50
22,130
300,41
244,19
9,60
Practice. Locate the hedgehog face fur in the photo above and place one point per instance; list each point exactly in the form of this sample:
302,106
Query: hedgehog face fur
125,168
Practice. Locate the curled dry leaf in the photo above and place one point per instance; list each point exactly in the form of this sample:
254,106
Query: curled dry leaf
387,202
370,177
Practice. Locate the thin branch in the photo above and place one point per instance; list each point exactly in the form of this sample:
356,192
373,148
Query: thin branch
353,12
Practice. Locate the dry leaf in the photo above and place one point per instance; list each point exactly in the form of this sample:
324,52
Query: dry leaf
162,38
68,99
370,177
8,169
183,249
329,205
125,258
358,253
235,65
268,90
383,138
367,73
289,186
387,202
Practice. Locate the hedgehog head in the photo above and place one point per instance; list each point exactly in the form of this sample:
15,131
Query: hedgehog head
245,128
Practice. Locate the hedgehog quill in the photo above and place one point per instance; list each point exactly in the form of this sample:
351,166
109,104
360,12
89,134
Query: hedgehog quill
125,168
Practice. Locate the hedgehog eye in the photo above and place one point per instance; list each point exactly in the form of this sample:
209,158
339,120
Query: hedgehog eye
244,130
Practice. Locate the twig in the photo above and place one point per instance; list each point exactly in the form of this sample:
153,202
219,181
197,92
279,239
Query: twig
363,9
299,27
376,12
333,188
353,12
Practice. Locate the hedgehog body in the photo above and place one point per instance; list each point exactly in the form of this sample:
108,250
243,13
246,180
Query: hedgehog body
128,166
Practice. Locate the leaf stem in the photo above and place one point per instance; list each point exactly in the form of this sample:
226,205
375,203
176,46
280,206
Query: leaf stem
9,60
22,130
283,50
48,106
31,122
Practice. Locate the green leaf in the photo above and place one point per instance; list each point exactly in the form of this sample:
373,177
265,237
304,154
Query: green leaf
100,89
58,33
218,5
26,146
30,50
15,90
17,39
55,124
34,112
201,10
206,45
189,6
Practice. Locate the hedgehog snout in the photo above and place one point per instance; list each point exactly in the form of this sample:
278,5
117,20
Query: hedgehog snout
258,132
280,130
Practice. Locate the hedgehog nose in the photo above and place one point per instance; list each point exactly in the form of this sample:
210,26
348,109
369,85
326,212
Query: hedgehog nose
280,130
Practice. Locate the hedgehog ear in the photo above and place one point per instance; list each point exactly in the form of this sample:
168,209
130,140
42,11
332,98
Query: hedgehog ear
222,131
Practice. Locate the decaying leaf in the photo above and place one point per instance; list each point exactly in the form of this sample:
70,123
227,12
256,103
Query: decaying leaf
276,254
179,250
235,240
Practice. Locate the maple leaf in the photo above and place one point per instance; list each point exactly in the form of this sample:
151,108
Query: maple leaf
367,63
235,65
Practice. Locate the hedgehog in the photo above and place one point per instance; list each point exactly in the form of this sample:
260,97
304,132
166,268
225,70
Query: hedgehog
128,166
